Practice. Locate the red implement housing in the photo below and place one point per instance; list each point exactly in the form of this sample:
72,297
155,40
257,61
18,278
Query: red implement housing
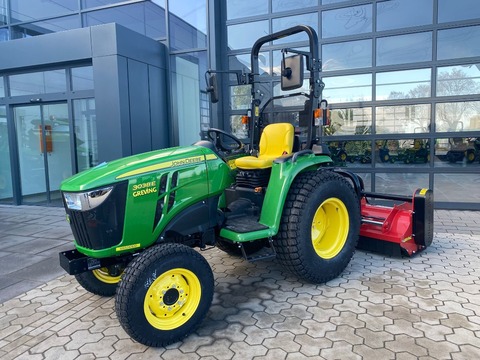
404,228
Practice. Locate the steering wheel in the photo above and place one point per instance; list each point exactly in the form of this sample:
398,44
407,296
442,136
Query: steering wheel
216,136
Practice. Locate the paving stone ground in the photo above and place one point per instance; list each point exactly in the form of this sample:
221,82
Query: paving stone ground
425,307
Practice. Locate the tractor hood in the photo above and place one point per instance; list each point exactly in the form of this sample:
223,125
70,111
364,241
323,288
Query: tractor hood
115,171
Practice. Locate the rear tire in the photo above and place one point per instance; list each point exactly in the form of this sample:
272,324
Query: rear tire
99,282
165,293
320,226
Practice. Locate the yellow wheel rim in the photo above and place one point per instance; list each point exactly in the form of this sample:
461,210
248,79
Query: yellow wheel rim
471,156
343,157
103,275
172,299
330,227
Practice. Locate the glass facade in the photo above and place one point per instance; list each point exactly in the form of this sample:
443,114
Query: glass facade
402,78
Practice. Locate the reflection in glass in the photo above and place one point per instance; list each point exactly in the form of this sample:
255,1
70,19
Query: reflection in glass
349,88
94,3
284,5
6,191
351,121
45,27
22,10
458,80
137,17
405,84
242,62
350,153
85,133
190,95
292,101
290,21
457,116
240,97
456,188
82,78
244,35
457,43
401,184
397,14
402,49
347,55
4,35
454,10
2,87
403,119
457,152
411,151
241,8
3,12
188,24
38,83
347,21
237,128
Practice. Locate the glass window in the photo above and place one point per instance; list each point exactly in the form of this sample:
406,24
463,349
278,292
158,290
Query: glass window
457,116
238,129
402,49
38,83
347,55
458,43
397,14
241,8
82,78
6,191
403,119
45,27
3,12
22,10
85,133
242,62
347,21
351,121
454,10
457,152
349,88
244,35
155,22
189,76
3,34
458,80
240,97
289,21
405,84
2,87
137,17
188,24
326,2
292,101
401,184
350,153
95,3
456,188
284,5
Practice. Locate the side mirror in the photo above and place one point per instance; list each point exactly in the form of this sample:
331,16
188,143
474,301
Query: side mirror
212,87
292,72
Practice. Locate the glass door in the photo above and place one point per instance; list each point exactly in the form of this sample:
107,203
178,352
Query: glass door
44,151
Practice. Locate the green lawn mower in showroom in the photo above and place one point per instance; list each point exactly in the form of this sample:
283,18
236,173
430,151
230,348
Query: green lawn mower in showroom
137,220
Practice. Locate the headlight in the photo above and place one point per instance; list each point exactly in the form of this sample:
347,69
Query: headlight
86,200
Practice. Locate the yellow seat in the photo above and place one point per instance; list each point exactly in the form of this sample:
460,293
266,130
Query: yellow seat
276,140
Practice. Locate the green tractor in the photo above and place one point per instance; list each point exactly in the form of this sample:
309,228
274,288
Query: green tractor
137,220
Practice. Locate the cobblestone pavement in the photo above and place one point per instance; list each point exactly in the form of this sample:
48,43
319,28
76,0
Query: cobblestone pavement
425,307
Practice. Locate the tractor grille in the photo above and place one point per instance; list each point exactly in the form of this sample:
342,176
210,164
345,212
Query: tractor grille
101,227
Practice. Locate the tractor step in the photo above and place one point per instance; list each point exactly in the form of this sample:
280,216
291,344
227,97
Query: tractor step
262,254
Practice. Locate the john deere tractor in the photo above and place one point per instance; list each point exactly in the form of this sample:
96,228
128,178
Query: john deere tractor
137,220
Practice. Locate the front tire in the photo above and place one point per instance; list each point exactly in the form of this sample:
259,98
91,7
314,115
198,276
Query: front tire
320,226
101,281
164,295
